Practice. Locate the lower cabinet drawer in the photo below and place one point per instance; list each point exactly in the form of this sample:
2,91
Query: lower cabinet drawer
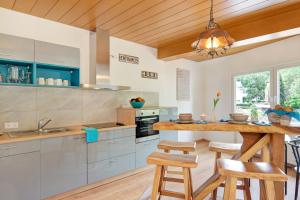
111,167
105,149
143,150
19,148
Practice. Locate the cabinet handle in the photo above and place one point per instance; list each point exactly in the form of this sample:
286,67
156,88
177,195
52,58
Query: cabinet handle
9,147
150,118
111,162
79,138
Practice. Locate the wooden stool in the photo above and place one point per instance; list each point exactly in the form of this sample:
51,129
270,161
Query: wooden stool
265,172
231,149
184,147
163,160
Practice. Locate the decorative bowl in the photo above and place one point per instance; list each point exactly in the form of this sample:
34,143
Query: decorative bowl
136,104
239,117
185,117
274,118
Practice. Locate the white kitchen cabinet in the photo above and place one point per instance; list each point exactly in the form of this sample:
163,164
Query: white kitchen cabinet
56,54
105,149
20,171
113,154
143,150
110,167
16,48
168,135
63,164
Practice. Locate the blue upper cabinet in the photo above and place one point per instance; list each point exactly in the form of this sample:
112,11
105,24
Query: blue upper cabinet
16,48
59,55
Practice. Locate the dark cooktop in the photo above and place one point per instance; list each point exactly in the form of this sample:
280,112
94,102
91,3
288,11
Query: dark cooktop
104,125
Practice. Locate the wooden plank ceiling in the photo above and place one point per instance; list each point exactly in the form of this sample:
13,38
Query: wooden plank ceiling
156,23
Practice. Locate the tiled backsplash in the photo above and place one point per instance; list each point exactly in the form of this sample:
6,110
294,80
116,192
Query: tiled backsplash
66,107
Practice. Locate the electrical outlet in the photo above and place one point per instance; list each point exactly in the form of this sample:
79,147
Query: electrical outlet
11,125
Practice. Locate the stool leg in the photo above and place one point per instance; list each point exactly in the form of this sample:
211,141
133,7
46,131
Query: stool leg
297,182
230,189
215,192
285,167
156,182
162,182
262,192
191,182
270,190
247,193
187,189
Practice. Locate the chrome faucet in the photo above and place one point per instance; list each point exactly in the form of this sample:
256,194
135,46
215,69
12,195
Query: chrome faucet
42,124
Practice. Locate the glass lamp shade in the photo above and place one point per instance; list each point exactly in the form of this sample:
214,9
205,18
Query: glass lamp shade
213,42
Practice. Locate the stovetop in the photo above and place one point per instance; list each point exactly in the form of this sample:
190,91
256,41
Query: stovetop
104,125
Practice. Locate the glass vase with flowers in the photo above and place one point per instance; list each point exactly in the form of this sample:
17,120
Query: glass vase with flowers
216,100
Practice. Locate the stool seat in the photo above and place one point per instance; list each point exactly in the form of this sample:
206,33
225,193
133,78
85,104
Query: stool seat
255,170
165,159
177,146
228,148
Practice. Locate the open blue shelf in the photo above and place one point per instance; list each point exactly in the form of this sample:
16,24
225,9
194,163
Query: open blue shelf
36,70
59,72
24,66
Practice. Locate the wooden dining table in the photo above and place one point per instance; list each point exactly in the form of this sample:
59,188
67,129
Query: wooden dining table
269,140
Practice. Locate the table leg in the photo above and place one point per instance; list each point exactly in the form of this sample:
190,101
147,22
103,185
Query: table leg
252,142
277,158
265,157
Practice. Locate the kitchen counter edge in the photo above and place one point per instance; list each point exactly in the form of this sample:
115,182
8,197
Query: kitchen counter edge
75,130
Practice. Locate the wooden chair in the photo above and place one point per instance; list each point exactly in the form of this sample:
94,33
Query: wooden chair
230,149
266,173
164,160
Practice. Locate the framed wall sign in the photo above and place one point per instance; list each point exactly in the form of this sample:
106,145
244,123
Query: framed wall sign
150,75
128,59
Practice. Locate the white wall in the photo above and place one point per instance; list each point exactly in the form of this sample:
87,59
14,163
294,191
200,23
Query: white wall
27,26
218,73
130,74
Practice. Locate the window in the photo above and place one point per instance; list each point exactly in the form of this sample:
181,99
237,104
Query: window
256,92
252,93
288,87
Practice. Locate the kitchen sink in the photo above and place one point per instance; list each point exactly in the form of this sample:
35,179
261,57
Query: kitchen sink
15,134
53,130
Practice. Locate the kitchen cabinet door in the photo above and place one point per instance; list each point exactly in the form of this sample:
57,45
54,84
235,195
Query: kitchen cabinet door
143,150
16,48
110,148
166,114
56,54
63,164
111,167
20,177
168,135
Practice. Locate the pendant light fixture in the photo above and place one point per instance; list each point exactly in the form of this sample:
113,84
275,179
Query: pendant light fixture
214,41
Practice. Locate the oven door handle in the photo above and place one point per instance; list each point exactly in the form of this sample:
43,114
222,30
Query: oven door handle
146,119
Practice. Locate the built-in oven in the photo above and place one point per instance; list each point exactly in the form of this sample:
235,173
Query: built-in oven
144,124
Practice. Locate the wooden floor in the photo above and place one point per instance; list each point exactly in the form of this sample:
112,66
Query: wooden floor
132,185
